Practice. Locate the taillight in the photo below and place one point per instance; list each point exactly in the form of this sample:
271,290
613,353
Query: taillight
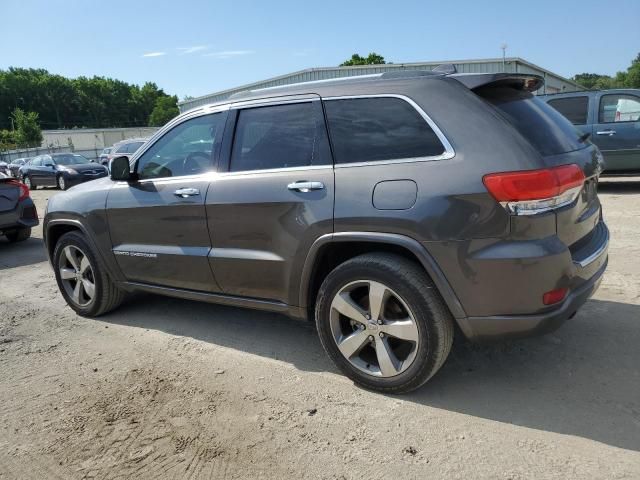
533,191
554,296
24,190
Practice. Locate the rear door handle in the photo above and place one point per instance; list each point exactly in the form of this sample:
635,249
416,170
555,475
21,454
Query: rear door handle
305,187
606,132
186,192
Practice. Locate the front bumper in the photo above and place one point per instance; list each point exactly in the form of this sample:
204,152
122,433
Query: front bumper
76,179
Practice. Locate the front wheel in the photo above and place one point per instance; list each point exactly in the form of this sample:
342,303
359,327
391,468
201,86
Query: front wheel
62,184
27,181
82,277
383,323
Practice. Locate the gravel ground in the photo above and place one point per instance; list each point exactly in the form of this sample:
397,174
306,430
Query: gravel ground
166,388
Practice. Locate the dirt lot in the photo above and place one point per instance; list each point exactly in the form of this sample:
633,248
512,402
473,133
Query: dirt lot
170,388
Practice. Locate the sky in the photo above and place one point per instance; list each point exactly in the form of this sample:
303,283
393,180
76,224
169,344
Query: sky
196,47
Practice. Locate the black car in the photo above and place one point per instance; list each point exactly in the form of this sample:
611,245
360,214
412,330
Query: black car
15,165
62,170
17,211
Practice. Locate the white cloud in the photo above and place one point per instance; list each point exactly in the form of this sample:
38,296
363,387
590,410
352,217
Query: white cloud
193,49
229,53
154,54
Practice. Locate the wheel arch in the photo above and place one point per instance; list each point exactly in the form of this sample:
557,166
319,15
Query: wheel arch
331,249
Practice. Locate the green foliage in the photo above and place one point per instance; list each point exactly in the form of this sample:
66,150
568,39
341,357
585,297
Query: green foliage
27,129
371,59
7,140
628,79
79,102
164,110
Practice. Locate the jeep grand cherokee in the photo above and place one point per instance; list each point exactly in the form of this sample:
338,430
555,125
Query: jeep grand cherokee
388,208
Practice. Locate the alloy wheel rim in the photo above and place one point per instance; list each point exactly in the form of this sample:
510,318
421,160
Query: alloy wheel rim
374,328
61,183
27,182
77,276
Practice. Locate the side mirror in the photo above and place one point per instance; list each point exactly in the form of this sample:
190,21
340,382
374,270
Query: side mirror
120,170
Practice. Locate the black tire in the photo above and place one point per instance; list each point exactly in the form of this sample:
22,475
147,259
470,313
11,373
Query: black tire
107,295
61,183
413,285
19,235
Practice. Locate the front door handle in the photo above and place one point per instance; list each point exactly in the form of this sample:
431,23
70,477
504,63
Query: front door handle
305,187
186,192
606,132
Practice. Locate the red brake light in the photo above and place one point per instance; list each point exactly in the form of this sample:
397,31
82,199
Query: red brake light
533,184
24,190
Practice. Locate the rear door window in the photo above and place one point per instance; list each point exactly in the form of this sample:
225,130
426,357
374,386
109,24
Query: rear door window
542,125
574,108
378,129
279,136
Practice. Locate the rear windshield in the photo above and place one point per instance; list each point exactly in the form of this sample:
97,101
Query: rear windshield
543,126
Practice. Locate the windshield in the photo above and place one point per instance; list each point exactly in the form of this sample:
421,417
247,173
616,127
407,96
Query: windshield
70,159
542,125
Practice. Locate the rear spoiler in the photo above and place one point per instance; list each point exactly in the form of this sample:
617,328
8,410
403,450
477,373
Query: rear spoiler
519,81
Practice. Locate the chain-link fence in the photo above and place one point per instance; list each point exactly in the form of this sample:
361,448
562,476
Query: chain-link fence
10,155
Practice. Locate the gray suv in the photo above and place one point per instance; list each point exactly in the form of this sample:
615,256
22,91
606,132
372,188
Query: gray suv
392,209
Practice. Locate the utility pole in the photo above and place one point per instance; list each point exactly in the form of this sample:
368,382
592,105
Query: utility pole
504,56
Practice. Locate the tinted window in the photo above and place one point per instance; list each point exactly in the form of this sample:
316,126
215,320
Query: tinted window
36,162
574,108
543,126
370,129
279,136
619,108
186,149
134,146
122,148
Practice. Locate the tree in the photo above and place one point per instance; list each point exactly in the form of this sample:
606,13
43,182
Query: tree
7,140
371,59
27,129
164,110
628,79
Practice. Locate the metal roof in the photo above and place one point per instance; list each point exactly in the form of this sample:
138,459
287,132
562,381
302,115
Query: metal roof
492,65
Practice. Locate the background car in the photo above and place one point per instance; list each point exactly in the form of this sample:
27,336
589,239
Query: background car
4,168
14,166
62,170
125,148
17,211
611,118
103,158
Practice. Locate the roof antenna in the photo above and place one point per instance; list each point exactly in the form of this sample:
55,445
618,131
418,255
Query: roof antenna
504,55
446,68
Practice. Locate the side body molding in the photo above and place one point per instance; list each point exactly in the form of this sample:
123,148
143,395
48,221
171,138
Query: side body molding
403,241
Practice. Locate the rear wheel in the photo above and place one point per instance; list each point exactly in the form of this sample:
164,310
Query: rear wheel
19,235
82,277
383,323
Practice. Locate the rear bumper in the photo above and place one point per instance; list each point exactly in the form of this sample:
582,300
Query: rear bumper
24,216
503,327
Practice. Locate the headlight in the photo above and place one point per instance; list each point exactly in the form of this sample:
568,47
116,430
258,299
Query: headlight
70,170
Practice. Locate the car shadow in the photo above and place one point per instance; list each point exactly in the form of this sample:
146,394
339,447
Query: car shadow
20,254
583,380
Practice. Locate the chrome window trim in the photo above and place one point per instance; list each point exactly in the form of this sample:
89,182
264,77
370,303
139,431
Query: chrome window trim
303,168
448,153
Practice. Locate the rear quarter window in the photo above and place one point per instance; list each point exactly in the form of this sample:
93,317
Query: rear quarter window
542,125
377,129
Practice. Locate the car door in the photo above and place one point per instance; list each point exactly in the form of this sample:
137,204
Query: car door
617,131
34,170
47,173
158,224
273,198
